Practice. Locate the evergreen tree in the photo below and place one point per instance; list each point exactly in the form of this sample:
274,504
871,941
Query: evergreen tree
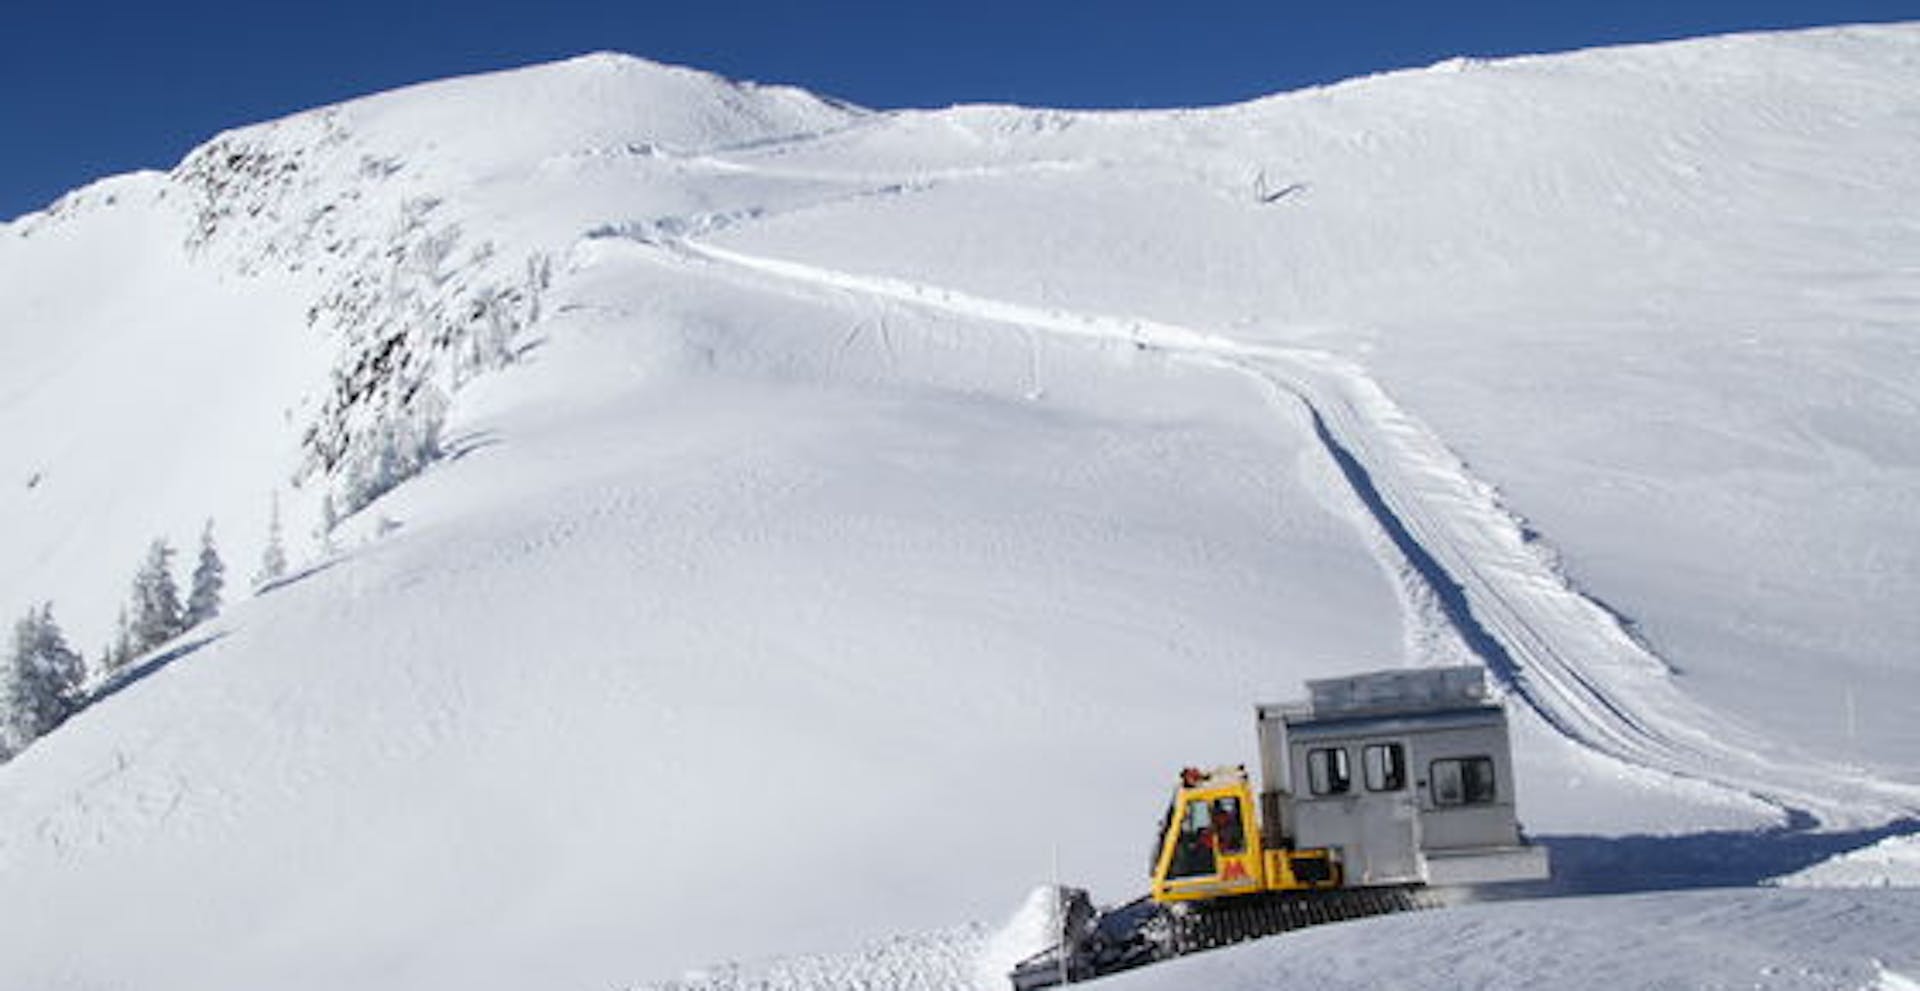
273,560
209,577
157,616
329,518
12,741
46,676
120,651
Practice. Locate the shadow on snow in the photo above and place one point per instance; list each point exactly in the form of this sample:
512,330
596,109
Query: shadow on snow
148,668
1451,597
1606,864
1596,865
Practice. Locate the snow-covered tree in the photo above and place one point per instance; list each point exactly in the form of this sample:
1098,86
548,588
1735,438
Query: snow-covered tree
119,650
329,518
273,559
11,739
157,615
44,677
209,577
403,440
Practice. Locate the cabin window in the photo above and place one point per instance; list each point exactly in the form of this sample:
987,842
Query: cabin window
1384,766
1193,849
1327,772
1231,836
1463,781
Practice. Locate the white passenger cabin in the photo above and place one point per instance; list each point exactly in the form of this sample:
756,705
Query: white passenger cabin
1407,774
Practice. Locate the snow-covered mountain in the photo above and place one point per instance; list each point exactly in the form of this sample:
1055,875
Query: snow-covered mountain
764,528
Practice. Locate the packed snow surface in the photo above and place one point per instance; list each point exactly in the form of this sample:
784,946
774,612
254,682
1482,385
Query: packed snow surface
1826,940
842,523
1891,863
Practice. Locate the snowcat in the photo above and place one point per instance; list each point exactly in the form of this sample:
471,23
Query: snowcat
1379,787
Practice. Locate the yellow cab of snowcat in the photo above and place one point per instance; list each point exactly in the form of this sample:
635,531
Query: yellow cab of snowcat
1212,846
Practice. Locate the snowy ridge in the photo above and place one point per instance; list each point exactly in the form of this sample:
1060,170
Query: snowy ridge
371,254
1565,657
429,294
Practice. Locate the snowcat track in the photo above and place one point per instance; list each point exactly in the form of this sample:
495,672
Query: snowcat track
1181,930
1223,923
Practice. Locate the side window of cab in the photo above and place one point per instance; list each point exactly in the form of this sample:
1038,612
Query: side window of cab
1384,766
1462,781
1327,771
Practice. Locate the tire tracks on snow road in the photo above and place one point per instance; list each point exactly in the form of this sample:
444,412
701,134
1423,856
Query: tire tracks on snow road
1569,660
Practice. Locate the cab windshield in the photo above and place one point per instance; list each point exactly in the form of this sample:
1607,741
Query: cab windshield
1207,827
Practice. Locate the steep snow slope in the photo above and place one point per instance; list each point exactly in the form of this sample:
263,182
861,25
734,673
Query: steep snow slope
119,423
850,519
1654,294
296,252
738,615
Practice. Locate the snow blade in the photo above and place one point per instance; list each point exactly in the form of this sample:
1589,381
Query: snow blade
1094,943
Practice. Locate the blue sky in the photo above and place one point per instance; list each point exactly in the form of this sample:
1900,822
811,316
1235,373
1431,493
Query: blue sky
89,89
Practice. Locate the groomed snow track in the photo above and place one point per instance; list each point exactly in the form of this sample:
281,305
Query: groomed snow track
1493,584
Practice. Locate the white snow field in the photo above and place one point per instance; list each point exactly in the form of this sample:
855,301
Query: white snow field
1827,940
846,522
